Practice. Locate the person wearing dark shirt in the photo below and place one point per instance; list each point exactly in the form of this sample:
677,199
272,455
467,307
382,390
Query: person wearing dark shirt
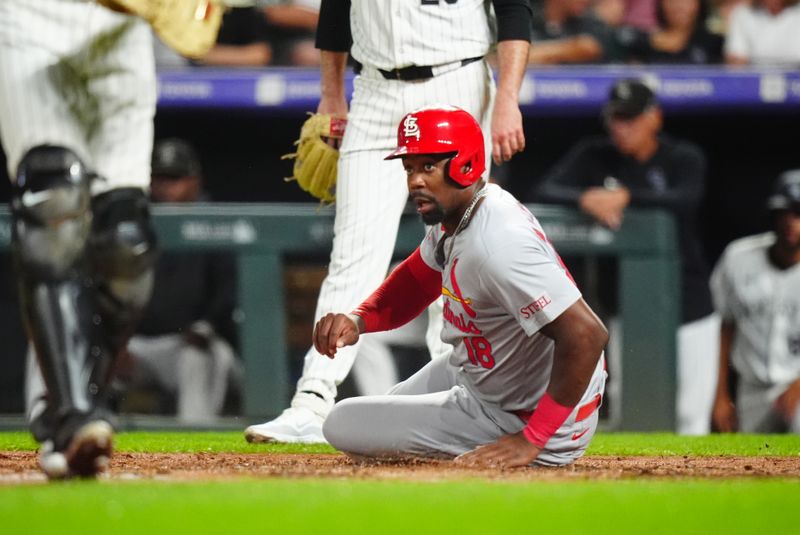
681,37
243,40
637,165
565,31
184,342
292,27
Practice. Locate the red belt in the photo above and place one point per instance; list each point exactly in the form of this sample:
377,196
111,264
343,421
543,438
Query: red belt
584,411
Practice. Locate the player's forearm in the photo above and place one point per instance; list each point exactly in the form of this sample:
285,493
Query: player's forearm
574,361
726,333
405,293
512,59
579,338
332,69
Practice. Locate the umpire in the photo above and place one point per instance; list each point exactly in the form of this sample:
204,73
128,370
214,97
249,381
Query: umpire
638,165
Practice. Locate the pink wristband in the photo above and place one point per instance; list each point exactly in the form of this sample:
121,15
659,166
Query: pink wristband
545,420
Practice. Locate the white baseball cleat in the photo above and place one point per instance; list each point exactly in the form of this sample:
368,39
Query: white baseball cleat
53,463
296,425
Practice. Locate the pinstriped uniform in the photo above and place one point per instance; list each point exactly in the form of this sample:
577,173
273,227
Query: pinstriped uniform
371,193
398,33
78,75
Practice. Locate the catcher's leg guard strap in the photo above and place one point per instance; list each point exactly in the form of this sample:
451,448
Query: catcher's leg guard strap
51,221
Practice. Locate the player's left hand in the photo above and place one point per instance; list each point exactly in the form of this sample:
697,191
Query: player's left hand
508,138
509,451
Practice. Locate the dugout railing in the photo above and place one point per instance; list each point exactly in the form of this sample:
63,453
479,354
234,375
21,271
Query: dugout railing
641,393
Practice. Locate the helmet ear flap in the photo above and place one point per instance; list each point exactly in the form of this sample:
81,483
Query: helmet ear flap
461,160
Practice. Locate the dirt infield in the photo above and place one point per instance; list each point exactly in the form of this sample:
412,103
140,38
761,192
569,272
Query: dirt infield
17,467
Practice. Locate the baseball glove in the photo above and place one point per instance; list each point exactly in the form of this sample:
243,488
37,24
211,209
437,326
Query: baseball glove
188,26
316,156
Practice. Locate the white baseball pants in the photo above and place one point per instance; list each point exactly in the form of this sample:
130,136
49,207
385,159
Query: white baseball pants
78,75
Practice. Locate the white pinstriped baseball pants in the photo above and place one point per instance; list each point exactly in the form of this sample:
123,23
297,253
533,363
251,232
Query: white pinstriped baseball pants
78,75
371,194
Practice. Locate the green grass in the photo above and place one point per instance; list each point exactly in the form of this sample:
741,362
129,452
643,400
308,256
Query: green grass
603,444
346,506
330,506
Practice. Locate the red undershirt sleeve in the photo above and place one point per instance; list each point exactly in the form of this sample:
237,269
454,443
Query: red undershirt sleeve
406,292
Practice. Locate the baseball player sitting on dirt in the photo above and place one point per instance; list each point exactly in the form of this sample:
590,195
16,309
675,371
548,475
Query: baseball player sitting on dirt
527,372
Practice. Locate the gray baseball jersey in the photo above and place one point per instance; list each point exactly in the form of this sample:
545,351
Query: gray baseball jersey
502,282
764,302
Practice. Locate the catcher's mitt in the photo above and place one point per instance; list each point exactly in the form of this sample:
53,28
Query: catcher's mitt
188,26
316,158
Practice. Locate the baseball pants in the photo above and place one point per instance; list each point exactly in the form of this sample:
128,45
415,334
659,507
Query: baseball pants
756,412
198,378
78,75
698,362
435,414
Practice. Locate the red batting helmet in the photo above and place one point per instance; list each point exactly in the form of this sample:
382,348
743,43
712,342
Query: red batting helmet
444,130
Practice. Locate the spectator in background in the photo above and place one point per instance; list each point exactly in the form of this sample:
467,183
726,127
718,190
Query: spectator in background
756,287
243,41
641,14
565,31
639,166
184,342
681,37
720,14
292,28
635,14
767,32
610,12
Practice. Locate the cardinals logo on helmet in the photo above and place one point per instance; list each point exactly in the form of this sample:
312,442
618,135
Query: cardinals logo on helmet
410,127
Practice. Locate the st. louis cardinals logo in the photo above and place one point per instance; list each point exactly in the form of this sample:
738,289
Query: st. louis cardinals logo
410,127
456,294
458,320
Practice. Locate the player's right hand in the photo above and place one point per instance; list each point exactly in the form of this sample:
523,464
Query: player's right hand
334,331
508,137
337,108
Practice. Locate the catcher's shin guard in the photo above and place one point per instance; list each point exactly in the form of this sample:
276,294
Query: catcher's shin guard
122,252
51,224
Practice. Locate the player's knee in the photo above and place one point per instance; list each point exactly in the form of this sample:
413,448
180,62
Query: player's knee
343,425
123,245
51,211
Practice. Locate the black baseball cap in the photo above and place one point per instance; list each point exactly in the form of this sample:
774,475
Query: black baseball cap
786,192
628,98
174,158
